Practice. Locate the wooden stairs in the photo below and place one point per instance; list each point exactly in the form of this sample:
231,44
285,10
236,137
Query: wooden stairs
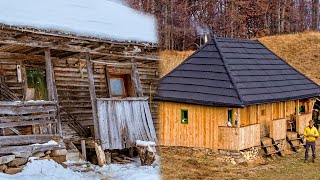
74,124
295,140
269,146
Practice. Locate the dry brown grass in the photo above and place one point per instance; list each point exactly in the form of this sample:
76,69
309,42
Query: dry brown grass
302,51
183,163
171,59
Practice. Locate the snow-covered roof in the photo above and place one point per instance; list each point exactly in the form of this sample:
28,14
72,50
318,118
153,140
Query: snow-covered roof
105,19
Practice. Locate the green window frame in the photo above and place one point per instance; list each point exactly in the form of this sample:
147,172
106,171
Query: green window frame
184,116
230,115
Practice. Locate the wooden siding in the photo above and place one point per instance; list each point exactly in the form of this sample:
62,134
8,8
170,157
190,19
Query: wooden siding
303,122
278,129
236,139
201,130
203,123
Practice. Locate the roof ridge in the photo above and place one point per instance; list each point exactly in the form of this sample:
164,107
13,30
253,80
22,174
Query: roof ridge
225,64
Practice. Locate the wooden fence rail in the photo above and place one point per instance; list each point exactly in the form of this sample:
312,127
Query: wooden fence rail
27,122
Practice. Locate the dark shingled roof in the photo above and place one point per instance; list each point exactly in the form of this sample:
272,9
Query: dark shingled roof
234,73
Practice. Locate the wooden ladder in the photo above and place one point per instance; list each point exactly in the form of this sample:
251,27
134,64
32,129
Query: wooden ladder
271,148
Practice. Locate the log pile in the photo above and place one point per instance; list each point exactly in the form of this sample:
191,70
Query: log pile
147,152
234,157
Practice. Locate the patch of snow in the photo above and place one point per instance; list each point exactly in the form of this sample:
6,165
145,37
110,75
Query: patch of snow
150,144
145,143
133,171
106,19
51,142
47,170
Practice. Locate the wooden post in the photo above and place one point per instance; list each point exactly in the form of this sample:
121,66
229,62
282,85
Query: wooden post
100,154
93,98
49,75
106,74
51,86
83,149
24,80
136,80
239,121
297,117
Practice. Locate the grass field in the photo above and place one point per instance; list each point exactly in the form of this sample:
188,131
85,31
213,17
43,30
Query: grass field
302,51
179,163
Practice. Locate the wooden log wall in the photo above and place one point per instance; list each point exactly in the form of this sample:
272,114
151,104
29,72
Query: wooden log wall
72,84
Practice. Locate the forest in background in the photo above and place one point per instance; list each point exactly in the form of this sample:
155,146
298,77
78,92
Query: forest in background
182,24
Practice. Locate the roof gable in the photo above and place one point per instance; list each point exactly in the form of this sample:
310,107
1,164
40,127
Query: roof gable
245,71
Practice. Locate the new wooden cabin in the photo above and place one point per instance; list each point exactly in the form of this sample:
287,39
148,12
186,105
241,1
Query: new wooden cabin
231,94
68,68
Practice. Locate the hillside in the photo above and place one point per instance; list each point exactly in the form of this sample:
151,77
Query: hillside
302,51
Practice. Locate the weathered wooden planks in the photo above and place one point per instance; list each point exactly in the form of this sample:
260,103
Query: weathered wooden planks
236,139
24,139
123,122
278,129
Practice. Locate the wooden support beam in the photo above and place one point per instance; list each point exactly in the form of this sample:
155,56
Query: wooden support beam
93,97
107,76
25,123
136,80
51,86
49,75
100,154
83,149
72,48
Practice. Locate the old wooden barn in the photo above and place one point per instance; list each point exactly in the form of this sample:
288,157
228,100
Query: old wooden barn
77,71
235,94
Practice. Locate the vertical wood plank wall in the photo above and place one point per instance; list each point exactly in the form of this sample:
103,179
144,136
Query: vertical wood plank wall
202,127
203,122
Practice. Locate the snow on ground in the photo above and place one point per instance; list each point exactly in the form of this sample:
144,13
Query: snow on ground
106,19
131,171
50,170
47,170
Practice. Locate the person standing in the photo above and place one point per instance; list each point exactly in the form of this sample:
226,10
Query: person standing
311,133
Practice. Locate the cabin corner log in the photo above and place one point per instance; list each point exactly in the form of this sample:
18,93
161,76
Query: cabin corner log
93,97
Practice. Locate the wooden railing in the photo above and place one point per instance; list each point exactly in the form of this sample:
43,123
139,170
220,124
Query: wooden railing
303,121
28,122
278,129
122,121
236,139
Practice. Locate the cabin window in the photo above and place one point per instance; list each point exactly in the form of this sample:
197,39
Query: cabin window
184,116
37,84
230,115
118,86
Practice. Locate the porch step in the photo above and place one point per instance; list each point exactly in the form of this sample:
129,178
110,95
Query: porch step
295,140
274,152
269,146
